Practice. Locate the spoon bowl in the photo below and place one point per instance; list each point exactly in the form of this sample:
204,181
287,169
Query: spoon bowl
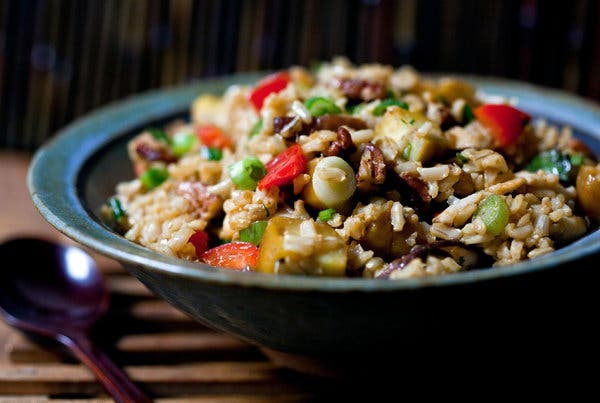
58,292
57,287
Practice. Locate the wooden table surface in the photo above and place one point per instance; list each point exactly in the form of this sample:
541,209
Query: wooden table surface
172,357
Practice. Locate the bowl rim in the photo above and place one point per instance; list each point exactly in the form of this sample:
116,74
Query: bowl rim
54,170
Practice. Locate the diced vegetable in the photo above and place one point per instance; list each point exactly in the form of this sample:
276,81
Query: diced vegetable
158,134
212,136
406,151
199,240
247,173
153,177
588,190
206,107
449,89
383,105
282,169
554,162
211,153
461,158
318,106
426,148
256,128
116,215
504,121
325,254
182,142
494,213
271,84
254,232
233,255
468,115
326,215
576,159
333,181
354,109
117,210
401,125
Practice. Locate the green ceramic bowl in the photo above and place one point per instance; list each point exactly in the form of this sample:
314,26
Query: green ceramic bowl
72,175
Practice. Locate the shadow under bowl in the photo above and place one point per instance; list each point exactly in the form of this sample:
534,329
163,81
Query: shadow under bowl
328,325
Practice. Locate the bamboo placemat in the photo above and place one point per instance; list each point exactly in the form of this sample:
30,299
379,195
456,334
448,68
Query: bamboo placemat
172,357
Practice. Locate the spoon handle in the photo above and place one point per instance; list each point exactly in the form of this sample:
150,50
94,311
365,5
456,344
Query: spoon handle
114,380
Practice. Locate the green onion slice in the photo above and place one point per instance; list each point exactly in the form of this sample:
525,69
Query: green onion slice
468,115
494,213
182,142
153,177
554,162
326,215
462,158
254,232
576,159
247,173
256,128
159,134
318,106
406,152
383,105
211,153
117,209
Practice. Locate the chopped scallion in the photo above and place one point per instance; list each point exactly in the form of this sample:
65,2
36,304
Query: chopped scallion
247,173
211,153
254,232
117,210
318,106
494,213
326,215
354,109
468,115
159,134
153,177
406,152
256,128
576,159
554,162
383,105
461,158
182,142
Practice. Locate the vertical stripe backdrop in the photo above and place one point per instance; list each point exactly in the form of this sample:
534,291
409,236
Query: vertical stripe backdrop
62,58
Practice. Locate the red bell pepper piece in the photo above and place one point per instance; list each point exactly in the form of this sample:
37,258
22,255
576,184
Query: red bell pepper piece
272,83
200,241
233,255
505,122
282,169
212,136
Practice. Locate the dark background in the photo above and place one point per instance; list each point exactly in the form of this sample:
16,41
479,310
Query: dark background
62,58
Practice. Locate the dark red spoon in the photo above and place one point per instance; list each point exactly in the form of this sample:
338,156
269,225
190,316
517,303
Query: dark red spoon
58,292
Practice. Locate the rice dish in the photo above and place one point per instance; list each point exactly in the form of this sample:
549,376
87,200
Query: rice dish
359,171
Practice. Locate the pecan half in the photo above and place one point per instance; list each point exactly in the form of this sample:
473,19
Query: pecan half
206,204
371,168
342,144
416,184
280,122
148,148
332,122
415,252
361,89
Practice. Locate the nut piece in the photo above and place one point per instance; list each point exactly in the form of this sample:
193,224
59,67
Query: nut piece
371,169
206,204
343,143
416,184
361,89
